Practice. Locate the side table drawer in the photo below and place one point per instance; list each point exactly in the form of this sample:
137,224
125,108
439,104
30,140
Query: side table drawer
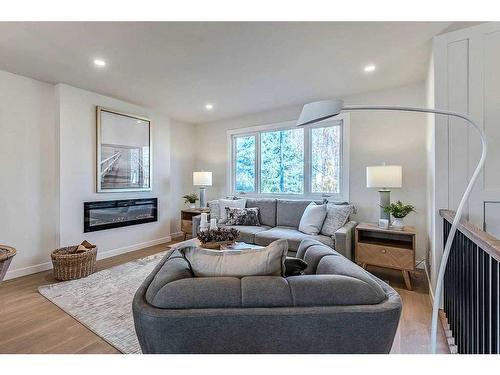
385,256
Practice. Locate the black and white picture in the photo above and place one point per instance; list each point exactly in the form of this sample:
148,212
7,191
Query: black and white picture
123,152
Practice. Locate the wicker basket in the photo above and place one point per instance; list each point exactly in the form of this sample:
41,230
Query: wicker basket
216,245
69,265
6,255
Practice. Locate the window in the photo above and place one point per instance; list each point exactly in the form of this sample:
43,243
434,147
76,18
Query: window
283,159
325,159
245,164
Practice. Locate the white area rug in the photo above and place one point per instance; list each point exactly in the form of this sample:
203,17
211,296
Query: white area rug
103,301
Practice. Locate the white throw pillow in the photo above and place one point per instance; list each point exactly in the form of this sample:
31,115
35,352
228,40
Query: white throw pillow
268,261
313,218
223,203
336,217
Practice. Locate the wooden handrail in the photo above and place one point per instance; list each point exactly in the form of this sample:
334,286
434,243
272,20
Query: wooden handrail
485,241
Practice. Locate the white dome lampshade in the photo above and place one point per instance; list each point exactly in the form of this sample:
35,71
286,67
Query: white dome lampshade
202,178
384,176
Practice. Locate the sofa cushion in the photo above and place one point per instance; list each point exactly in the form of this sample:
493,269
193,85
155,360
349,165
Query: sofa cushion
269,261
174,268
329,290
312,219
291,234
267,209
322,260
247,233
312,251
265,291
199,293
289,211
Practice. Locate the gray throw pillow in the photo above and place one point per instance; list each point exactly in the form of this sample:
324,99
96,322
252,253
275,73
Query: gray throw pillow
313,218
214,209
336,217
242,216
268,261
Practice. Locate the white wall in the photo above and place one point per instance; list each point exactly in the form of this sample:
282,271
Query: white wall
395,138
47,164
398,138
77,137
28,177
182,149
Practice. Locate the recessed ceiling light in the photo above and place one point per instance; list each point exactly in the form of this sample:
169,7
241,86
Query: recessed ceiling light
209,106
369,68
99,62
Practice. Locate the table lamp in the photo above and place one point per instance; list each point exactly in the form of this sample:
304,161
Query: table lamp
318,111
384,177
202,179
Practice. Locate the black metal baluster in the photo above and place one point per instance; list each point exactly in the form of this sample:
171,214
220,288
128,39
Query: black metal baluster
494,306
481,303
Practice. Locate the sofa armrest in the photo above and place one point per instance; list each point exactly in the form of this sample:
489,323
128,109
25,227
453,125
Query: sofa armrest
344,239
196,225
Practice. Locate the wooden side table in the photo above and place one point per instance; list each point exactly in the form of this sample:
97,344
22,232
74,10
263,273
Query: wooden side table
187,219
386,248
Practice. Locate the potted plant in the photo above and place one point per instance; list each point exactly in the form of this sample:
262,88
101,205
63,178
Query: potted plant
399,211
215,238
191,199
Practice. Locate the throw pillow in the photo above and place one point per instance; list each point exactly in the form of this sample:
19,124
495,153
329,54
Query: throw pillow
294,266
223,203
242,216
268,261
336,217
214,209
313,218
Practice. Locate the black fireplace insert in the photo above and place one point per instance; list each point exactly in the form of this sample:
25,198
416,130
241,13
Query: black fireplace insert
102,215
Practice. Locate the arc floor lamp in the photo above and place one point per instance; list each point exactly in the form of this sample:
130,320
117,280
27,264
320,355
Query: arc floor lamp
318,111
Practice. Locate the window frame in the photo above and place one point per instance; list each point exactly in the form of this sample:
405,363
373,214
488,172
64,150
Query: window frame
256,131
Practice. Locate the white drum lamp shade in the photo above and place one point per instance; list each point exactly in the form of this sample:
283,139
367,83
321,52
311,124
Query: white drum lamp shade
384,176
202,178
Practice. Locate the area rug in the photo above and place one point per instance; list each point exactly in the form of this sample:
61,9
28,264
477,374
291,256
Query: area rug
103,301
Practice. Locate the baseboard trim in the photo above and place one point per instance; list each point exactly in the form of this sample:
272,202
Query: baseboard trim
177,234
19,272
429,284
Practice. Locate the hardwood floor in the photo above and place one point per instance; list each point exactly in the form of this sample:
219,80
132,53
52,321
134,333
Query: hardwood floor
31,324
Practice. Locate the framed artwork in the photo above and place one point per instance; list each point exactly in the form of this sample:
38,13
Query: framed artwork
123,152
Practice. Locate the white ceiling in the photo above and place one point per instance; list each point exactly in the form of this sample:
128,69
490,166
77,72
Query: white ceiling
239,67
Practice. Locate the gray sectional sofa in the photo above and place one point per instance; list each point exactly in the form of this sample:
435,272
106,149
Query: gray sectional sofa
335,307
280,218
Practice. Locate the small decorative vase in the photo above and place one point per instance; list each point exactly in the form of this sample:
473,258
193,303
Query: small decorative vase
398,224
192,205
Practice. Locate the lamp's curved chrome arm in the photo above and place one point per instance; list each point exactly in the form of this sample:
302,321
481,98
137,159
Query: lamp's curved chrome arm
465,196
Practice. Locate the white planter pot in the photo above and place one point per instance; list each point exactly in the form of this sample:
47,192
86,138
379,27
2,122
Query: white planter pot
398,224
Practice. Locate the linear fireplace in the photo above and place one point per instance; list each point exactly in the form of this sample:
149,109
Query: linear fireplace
102,215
